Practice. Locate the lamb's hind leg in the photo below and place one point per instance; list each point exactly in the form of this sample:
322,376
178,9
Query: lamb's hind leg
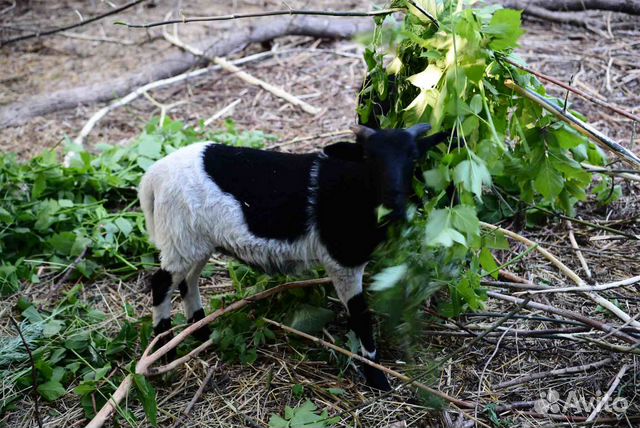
348,285
191,300
163,283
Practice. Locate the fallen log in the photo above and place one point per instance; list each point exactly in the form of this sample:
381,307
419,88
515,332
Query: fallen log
631,7
21,111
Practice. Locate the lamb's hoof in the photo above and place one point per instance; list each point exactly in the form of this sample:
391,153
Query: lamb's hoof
376,378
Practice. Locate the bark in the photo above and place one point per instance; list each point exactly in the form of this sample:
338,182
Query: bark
631,7
21,111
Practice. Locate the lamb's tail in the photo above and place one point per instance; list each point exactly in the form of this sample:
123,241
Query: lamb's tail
147,199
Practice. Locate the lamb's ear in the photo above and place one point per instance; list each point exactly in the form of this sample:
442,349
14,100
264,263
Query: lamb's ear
419,129
344,150
427,143
363,133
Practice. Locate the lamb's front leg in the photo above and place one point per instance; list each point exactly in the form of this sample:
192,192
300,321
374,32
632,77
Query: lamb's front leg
348,285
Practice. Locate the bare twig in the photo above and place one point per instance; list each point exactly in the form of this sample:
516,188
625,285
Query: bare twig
70,269
574,245
599,287
196,397
558,372
576,91
567,314
231,68
568,272
71,26
608,394
97,116
34,373
185,20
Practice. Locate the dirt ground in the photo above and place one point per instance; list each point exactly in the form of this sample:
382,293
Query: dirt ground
603,60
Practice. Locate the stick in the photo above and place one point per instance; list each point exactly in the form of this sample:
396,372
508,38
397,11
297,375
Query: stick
575,90
97,116
224,111
608,394
568,272
558,372
391,372
290,12
143,366
70,269
69,27
584,128
566,314
228,66
34,373
599,287
196,397
574,245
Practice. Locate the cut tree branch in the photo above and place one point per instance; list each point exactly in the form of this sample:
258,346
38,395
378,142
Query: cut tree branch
288,12
20,112
587,130
71,26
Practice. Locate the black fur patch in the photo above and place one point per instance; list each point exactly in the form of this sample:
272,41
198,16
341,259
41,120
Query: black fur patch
203,332
160,286
161,327
345,211
184,289
360,321
272,188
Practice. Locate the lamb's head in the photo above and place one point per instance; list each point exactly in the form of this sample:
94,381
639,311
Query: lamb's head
390,156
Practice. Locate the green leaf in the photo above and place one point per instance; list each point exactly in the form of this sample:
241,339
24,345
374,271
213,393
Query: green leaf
311,319
389,277
476,104
62,242
51,390
426,79
505,29
150,146
437,178
39,186
548,182
124,225
147,395
488,262
465,219
276,421
439,230
472,174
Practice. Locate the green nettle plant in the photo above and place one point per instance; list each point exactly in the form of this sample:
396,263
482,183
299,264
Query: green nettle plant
51,215
505,153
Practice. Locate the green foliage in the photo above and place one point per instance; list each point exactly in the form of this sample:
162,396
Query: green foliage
454,78
51,214
305,415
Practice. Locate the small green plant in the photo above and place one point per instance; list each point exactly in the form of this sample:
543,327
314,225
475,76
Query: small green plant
51,214
303,416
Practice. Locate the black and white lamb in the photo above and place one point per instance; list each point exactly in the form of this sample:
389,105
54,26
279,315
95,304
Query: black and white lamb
279,212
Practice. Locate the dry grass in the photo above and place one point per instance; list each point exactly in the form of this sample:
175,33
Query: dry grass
604,63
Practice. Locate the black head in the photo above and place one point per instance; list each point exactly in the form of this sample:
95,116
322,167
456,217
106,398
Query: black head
390,156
